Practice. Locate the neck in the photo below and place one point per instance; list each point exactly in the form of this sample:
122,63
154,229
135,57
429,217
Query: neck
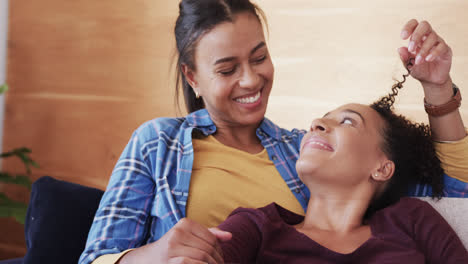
339,210
239,137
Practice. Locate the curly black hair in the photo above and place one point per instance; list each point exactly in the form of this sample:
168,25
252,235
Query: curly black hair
409,145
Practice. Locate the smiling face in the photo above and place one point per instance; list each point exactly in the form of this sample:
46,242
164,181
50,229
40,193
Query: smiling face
233,72
344,148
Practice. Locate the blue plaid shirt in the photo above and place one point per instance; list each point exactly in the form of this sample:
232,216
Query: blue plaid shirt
148,189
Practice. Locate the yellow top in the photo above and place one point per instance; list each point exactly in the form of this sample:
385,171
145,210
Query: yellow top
453,155
454,158
224,178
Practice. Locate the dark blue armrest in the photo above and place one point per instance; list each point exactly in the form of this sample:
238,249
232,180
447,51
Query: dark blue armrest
12,261
57,223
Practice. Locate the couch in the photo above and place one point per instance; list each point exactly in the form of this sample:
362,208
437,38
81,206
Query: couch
57,222
60,214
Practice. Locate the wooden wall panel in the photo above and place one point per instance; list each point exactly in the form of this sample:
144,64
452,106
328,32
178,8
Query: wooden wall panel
84,74
328,53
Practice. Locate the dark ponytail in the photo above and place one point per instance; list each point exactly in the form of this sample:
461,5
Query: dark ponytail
197,17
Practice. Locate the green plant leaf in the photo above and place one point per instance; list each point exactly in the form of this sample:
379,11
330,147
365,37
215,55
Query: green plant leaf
23,154
3,88
17,179
16,152
10,208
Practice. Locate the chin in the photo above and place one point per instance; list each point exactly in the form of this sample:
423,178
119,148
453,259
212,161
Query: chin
305,167
254,117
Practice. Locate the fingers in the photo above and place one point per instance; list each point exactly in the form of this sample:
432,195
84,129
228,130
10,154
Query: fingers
202,233
404,54
220,234
213,251
431,41
441,50
193,235
424,45
192,255
185,260
421,30
409,28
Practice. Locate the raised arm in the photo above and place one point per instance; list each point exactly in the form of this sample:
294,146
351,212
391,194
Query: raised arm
432,62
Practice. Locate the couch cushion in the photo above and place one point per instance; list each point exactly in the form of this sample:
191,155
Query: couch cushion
455,212
58,220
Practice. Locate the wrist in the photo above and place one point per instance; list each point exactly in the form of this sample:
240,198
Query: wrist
438,94
443,109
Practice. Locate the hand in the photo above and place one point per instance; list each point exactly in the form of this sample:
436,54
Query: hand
432,61
432,56
186,242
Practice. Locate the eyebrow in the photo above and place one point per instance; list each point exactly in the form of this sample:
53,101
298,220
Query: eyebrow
260,45
352,112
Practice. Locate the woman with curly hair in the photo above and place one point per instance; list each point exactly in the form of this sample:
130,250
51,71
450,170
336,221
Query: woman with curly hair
360,161
178,176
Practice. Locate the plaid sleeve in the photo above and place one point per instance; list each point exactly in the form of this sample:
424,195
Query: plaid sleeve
454,160
452,188
123,217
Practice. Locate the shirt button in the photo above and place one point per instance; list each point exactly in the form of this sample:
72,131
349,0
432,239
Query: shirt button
274,157
297,190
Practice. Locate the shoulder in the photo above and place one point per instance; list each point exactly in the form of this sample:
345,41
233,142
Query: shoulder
406,215
162,124
279,133
175,127
411,205
163,128
154,132
407,207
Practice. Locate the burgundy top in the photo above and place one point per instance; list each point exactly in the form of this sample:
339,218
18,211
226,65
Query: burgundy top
410,231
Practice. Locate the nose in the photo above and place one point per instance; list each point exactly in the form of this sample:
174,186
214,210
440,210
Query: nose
250,78
319,125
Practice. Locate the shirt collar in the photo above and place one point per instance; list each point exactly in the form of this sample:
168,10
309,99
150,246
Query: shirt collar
269,128
201,120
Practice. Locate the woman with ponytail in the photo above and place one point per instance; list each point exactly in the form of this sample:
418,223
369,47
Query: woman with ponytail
179,176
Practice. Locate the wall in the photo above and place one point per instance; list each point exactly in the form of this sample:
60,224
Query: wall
84,74
3,44
328,53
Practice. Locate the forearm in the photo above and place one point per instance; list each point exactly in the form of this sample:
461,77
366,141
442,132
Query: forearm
111,258
448,127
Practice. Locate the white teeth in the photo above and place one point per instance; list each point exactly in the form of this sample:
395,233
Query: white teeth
249,100
320,144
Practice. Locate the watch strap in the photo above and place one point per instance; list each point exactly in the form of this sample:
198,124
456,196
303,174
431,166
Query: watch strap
440,110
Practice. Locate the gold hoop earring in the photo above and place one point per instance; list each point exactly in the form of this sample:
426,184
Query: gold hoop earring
197,95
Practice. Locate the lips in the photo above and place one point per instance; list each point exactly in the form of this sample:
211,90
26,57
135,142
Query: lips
249,99
318,143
